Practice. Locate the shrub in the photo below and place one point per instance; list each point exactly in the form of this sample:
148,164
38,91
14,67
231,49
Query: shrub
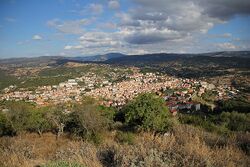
125,137
87,121
108,113
236,121
6,128
148,112
37,122
58,119
20,116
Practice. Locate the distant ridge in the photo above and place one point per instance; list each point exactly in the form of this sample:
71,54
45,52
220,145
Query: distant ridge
119,58
99,57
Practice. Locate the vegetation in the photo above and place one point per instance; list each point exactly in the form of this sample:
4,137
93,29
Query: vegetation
6,80
240,105
148,112
142,133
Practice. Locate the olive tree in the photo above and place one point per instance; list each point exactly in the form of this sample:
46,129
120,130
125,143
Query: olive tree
149,112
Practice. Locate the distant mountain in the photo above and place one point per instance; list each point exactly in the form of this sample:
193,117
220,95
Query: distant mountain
229,54
118,58
230,59
30,62
98,57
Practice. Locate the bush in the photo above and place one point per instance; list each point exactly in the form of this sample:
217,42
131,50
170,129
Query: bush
240,105
149,112
125,137
109,114
20,116
37,122
236,121
87,121
6,128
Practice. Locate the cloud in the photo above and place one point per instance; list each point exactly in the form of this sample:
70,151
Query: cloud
226,46
70,47
150,36
70,26
99,39
164,20
224,9
107,25
10,19
225,35
95,9
156,26
37,37
114,4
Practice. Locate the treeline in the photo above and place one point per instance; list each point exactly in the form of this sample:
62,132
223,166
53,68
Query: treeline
146,112
223,123
142,132
87,120
240,104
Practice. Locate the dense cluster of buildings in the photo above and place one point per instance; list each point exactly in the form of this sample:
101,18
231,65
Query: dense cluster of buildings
177,92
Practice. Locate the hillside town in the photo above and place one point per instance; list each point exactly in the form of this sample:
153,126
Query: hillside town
177,92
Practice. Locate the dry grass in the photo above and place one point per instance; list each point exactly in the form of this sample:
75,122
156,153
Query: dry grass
29,150
186,146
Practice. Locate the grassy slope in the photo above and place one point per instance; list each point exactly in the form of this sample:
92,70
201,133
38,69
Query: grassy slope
187,146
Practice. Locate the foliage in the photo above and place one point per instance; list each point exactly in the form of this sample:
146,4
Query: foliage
23,116
6,128
209,96
236,121
239,105
108,113
204,121
6,80
58,119
149,112
20,116
219,123
87,121
125,137
37,122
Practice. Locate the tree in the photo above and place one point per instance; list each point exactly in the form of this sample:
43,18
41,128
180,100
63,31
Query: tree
236,121
5,126
148,112
19,115
58,119
87,121
38,122
108,113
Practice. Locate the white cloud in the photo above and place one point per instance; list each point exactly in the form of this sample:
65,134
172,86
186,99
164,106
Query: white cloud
226,46
114,4
68,47
152,26
70,26
37,37
95,9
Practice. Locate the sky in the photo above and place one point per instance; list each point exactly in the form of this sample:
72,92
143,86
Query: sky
31,28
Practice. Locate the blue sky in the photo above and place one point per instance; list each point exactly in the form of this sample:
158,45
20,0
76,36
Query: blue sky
30,28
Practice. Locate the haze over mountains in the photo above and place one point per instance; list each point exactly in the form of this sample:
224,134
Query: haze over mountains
116,57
